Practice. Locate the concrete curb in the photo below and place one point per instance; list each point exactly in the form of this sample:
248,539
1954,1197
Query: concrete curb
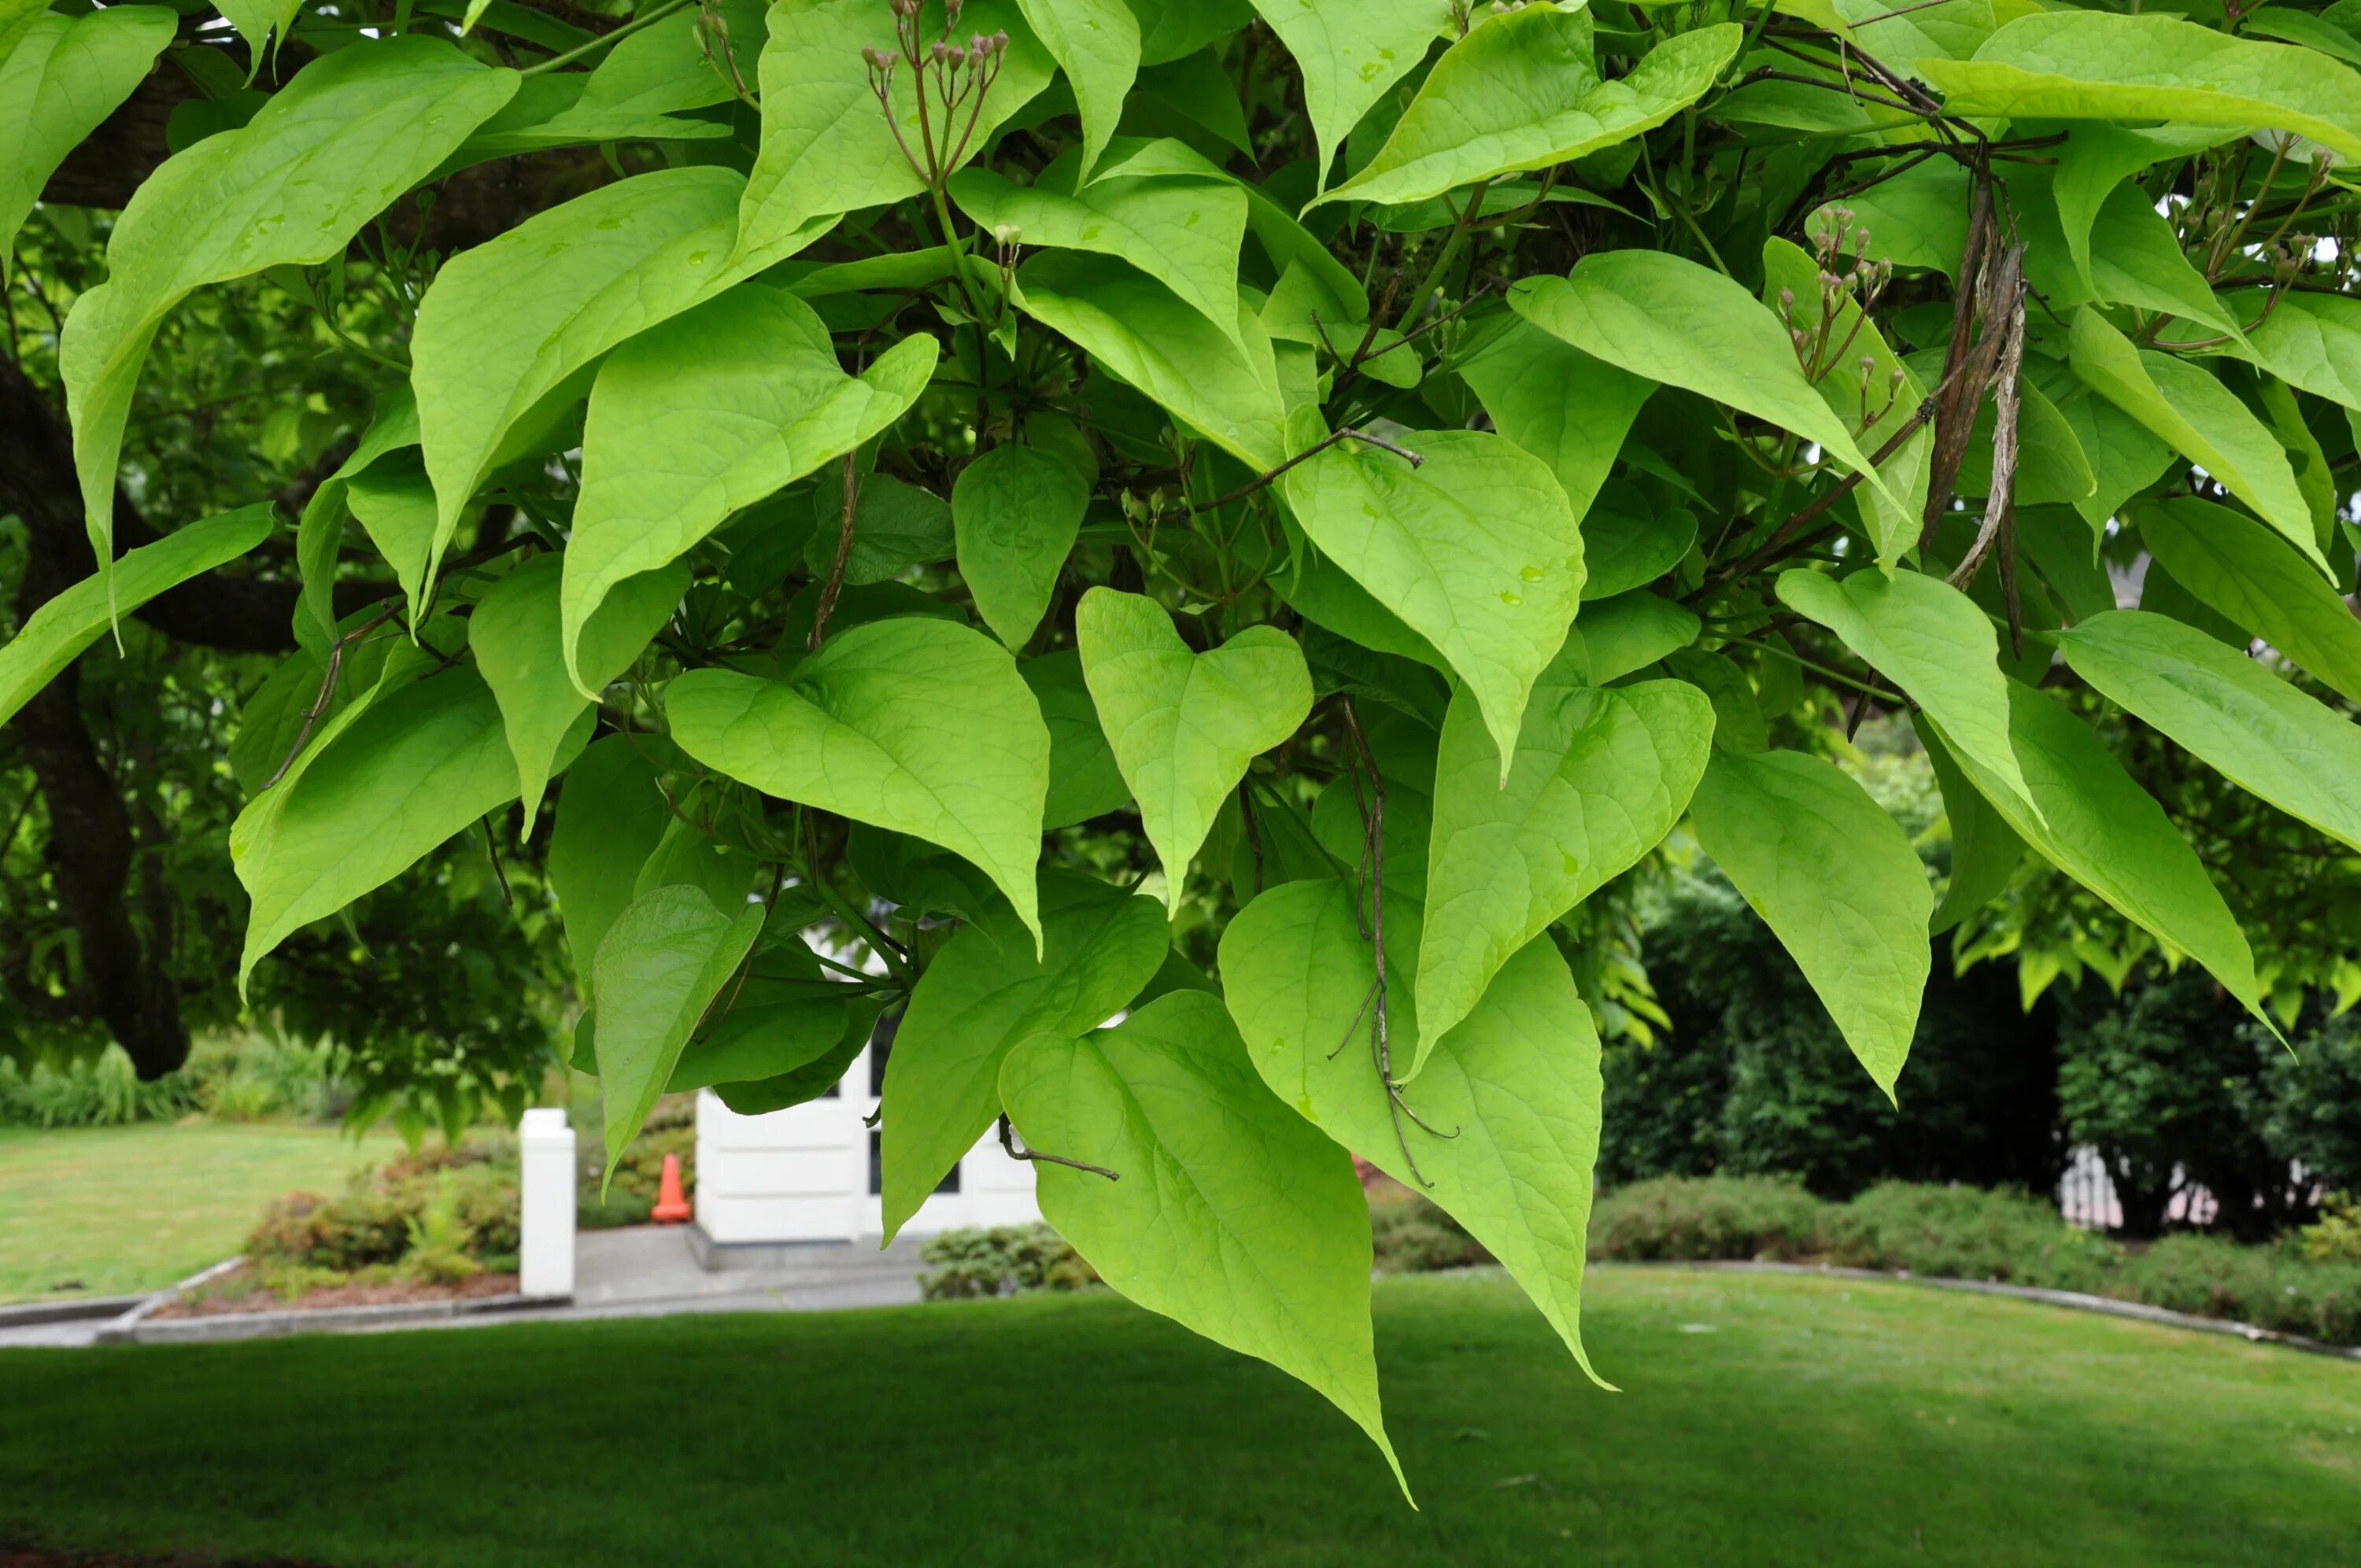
140,1326
2108,1306
31,1315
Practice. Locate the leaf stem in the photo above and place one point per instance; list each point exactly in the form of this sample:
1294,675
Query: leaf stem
645,19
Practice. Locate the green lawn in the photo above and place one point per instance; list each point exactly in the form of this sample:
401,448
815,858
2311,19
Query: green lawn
109,1210
1764,1420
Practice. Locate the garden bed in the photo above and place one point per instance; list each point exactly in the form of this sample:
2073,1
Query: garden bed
243,1290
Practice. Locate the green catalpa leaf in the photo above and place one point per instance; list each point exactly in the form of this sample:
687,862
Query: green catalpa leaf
1083,779
916,725
517,324
1599,778
65,75
984,993
260,20
1835,880
1350,51
2092,165
786,1018
1184,725
635,94
352,131
394,504
2312,341
2123,456
826,147
1168,1101
1670,320
1520,91
1627,551
2091,65
1016,511
2136,260
2311,32
1985,850
2236,566
812,1081
708,413
2263,734
1633,631
322,531
418,764
1171,28
1917,220
53,635
896,526
1096,44
1928,638
1512,1093
515,632
1565,408
2100,828
1184,232
1737,723
1131,324
1476,549
660,966
1853,341
2201,417
610,816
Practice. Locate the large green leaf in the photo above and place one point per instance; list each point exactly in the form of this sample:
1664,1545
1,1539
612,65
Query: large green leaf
2200,417
1985,850
1184,232
984,993
2237,566
394,504
1475,549
2312,341
611,815
1838,884
1599,778
352,131
1083,779
1016,511
1184,724
2122,455
416,766
1670,320
1513,1094
708,413
259,21
524,317
2092,166
1230,1216
2263,734
1096,44
1565,408
2091,65
60,630
635,94
1633,630
515,632
2100,828
915,724
826,147
1520,91
660,966
1153,339
2136,259
1350,51
321,532
65,75
1928,638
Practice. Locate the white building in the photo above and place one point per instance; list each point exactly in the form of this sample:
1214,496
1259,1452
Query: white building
810,1173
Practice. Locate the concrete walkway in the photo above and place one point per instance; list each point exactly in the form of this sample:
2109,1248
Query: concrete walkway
648,1271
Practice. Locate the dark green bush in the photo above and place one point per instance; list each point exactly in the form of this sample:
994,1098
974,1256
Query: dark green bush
1966,1233
1409,1234
1676,1220
2270,1286
1006,1260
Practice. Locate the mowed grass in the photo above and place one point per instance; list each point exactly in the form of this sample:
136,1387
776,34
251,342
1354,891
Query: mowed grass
1763,1420
108,1210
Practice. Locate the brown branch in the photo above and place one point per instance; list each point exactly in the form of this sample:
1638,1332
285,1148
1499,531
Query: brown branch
835,584
1008,1142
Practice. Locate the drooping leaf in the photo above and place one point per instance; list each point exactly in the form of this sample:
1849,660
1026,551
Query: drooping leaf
1624,552
1096,44
59,631
2124,458
2201,418
394,504
2092,165
1739,725
2237,567
2094,65
1168,1101
706,414
2312,341
1835,880
1083,779
638,92
1185,725
2263,734
984,993
1599,778
515,632
1475,549
353,130
610,816
322,529
1985,850
258,22
1154,340
1670,320
1016,511
786,1017
1565,406
916,725
660,966
1633,631
2136,260
1511,1094
64,76
1350,51
1522,91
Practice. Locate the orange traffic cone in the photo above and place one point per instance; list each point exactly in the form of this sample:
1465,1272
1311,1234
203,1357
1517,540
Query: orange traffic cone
672,1204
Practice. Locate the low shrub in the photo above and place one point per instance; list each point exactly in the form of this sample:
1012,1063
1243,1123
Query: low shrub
2337,1237
1410,1235
1006,1260
1965,1232
437,1204
2270,1286
231,1078
102,1091
1684,1219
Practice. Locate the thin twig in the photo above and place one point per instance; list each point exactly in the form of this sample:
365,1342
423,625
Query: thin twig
835,585
1008,1142
327,693
1317,448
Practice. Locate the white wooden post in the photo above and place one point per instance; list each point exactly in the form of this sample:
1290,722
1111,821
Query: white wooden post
546,1189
